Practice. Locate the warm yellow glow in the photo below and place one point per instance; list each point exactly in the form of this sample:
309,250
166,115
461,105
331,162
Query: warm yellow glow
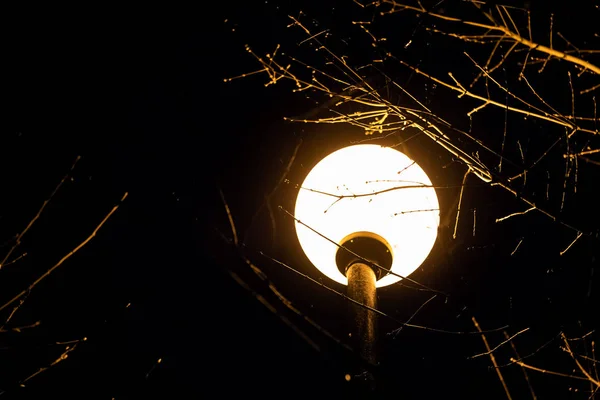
371,189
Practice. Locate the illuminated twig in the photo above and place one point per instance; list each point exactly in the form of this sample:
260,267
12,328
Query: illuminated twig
533,396
271,308
422,286
490,351
374,193
582,337
487,74
581,368
156,364
543,346
247,74
66,257
267,199
479,332
14,260
20,328
544,371
462,188
508,33
491,354
530,203
396,332
583,153
514,214
277,72
591,89
35,218
231,224
556,113
287,303
571,244
14,311
62,357
464,92
595,361
516,248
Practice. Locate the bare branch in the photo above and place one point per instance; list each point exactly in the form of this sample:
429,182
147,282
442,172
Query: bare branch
572,243
229,216
544,371
287,303
381,313
66,257
462,188
497,347
465,92
422,286
515,214
397,331
35,218
581,368
505,30
533,396
491,354
64,355
20,328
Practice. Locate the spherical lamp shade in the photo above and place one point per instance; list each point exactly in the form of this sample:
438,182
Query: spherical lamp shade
367,190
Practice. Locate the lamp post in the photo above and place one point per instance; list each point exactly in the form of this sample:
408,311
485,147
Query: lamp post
366,216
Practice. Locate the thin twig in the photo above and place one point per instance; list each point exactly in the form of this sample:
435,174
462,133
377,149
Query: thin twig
396,332
506,31
62,357
487,346
581,368
66,257
35,218
230,217
462,188
376,310
497,347
422,286
544,371
533,396
287,303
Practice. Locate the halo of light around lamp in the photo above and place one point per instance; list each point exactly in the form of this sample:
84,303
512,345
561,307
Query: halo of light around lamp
373,189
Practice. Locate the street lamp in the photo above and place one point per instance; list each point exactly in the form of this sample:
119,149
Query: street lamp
366,216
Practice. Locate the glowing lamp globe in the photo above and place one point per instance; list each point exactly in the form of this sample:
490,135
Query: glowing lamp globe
367,191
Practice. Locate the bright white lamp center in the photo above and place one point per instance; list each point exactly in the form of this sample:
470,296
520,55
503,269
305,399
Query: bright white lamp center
372,189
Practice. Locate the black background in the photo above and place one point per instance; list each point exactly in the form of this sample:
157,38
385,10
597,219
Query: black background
140,96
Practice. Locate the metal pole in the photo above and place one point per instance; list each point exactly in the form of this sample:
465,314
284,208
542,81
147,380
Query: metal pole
361,288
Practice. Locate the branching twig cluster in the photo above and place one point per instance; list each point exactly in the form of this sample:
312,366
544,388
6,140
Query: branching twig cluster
351,98
13,305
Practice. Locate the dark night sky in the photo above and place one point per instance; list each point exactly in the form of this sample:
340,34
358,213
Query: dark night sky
139,95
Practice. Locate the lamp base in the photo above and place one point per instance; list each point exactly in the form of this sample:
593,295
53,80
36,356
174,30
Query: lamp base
366,248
